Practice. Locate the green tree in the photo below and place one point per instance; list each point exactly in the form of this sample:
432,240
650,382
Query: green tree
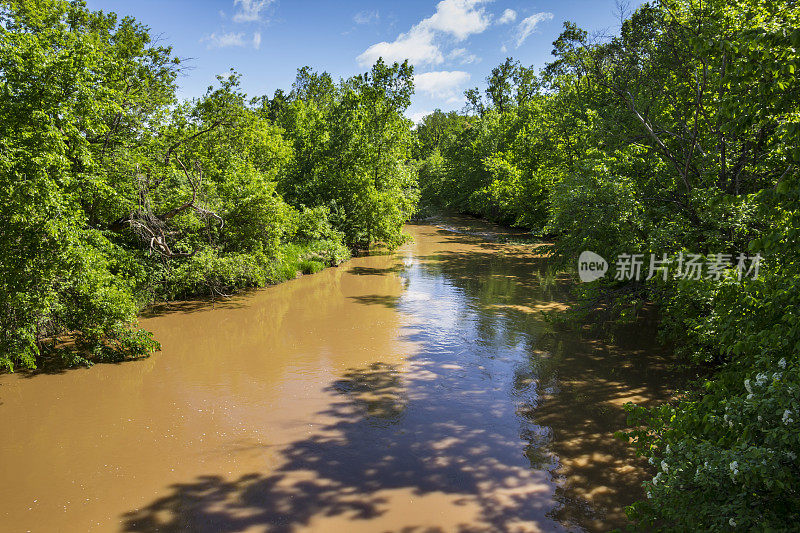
76,88
353,151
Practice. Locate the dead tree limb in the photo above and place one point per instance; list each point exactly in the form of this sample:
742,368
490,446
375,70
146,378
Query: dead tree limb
153,228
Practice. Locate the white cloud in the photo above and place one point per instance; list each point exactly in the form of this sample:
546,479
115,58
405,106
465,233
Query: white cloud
417,46
455,18
225,40
461,18
441,84
418,116
504,49
528,25
508,16
463,56
249,10
366,17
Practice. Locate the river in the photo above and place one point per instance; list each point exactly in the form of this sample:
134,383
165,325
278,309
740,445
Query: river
419,391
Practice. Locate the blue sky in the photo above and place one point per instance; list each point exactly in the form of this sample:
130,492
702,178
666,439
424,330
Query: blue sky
453,44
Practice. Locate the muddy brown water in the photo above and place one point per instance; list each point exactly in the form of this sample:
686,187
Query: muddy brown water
418,391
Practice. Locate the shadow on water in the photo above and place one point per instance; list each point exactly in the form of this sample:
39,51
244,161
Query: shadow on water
497,416
372,271
378,299
418,430
237,301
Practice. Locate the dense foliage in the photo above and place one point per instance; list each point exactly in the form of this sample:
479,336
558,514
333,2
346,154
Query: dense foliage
679,136
115,194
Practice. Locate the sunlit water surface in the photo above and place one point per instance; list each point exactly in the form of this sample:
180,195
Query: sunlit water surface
416,392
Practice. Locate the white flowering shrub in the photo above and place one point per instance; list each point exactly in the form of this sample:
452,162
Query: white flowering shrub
727,456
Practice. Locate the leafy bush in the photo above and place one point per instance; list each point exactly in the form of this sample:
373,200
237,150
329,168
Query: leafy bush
678,135
116,195
314,225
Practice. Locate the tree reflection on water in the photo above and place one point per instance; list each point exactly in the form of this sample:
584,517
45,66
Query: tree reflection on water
502,423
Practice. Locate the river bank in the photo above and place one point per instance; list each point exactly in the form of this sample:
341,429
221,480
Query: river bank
420,389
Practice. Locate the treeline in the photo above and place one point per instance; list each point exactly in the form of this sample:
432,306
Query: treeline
679,136
115,194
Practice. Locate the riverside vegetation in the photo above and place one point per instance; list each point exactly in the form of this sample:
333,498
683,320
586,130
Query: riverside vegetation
679,134
116,195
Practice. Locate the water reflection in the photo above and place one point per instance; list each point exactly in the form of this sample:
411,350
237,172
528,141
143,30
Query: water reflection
398,435
499,423
420,391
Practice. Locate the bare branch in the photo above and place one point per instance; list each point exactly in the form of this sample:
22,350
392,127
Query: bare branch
177,144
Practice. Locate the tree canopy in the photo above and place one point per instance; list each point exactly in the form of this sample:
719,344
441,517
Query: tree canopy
115,194
677,136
